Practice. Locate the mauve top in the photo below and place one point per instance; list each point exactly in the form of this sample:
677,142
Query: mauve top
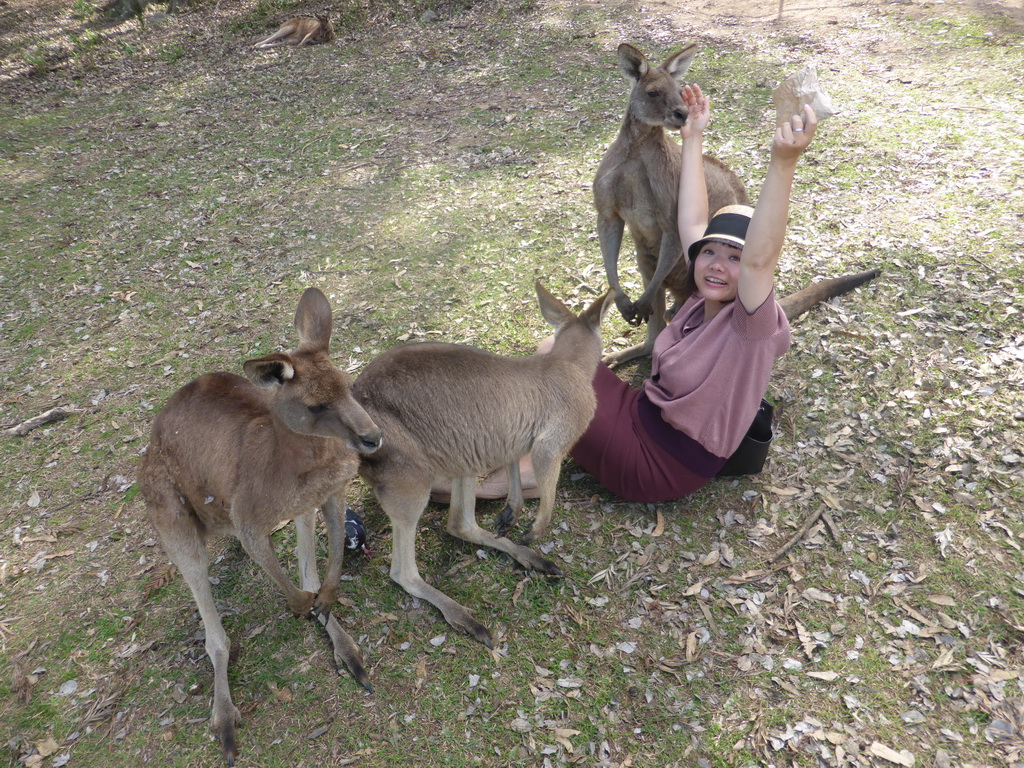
707,379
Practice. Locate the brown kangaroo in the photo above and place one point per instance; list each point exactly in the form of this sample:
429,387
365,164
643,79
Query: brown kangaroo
228,457
301,30
637,185
452,411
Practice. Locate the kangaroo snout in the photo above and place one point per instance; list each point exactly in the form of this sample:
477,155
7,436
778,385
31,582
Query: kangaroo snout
367,442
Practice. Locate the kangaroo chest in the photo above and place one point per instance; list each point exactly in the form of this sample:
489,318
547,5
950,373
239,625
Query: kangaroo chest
642,183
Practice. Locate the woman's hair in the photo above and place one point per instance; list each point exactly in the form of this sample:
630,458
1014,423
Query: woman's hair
691,278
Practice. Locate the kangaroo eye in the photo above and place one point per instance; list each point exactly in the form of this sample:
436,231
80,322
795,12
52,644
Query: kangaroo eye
652,94
316,410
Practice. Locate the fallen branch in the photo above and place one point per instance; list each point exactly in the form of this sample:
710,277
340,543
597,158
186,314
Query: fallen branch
830,527
54,414
801,532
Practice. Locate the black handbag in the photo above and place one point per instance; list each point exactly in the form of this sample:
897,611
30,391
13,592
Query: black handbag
749,458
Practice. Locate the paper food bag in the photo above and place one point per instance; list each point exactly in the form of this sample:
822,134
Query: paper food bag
799,89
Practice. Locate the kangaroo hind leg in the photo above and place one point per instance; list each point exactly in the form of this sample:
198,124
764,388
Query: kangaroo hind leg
462,524
184,545
403,506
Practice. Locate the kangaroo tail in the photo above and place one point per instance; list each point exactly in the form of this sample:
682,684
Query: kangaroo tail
797,303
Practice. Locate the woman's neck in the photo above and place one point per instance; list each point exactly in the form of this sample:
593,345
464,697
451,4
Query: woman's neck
711,308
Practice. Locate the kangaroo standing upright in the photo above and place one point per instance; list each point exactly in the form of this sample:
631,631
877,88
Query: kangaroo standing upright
637,185
228,457
451,411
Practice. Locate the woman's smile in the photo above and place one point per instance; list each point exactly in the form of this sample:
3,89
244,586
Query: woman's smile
718,270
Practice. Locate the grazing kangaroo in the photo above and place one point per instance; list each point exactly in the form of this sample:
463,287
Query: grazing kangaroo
232,457
637,185
452,411
301,30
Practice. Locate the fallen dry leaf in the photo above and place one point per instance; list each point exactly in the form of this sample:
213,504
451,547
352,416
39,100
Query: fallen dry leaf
826,676
518,591
659,529
282,695
64,553
421,672
903,757
47,746
562,736
813,593
691,646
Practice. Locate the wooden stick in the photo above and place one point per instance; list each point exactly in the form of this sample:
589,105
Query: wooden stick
830,526
54,414
804,527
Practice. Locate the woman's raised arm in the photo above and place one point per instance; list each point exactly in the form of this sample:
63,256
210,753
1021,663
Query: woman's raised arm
767,230
692,210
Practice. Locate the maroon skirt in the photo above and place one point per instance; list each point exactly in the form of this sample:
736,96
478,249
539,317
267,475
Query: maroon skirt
630,461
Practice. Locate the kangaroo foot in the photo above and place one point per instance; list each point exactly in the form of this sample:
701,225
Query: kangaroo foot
473,628
346,652
224,726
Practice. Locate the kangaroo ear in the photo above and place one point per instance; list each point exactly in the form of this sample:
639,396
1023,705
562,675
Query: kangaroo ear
632,63
595,313
269,370
313,320
554,311
606,303
678,63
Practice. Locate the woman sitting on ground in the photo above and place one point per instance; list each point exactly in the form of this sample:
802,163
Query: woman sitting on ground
710,366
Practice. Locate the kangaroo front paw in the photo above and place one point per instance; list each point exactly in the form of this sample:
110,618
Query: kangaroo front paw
324,601
504,521
301,603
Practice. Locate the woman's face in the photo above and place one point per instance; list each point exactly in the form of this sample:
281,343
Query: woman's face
717,271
